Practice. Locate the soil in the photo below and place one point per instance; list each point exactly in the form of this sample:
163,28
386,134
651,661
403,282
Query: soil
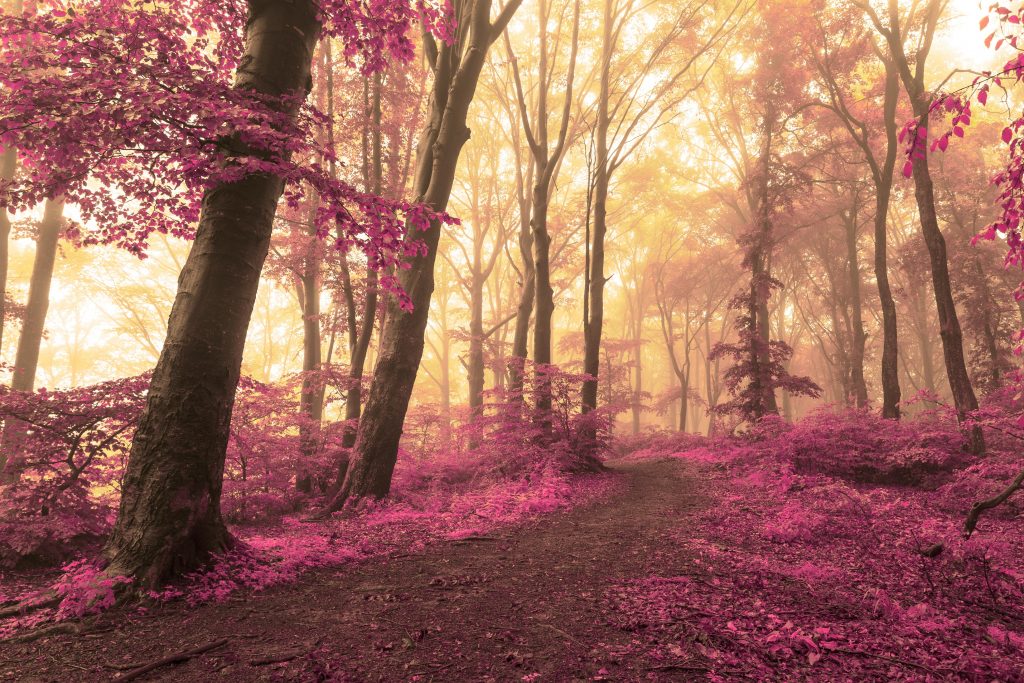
527,604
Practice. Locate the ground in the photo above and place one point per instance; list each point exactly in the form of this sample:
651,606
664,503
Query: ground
526,604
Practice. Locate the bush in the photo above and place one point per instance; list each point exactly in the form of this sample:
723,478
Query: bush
863,447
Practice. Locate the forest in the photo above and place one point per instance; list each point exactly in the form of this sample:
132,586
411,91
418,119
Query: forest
511,340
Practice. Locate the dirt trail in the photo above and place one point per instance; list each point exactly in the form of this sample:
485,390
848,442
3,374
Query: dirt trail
527,601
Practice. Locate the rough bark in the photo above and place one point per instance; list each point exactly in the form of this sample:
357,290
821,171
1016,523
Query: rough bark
169,519
457,67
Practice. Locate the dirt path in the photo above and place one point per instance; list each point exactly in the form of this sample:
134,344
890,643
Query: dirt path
529,601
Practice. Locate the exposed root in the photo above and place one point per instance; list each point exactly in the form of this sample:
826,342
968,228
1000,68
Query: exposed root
30,605
172,659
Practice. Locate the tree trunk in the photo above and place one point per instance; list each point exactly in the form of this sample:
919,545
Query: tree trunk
26,360
169,519
883,192
457,71
311,403
8,167
475,370
949,324
858,339
594,315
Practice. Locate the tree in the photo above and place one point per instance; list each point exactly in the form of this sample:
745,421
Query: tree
456,66
629,109
187,143
912,73
545,167
882,167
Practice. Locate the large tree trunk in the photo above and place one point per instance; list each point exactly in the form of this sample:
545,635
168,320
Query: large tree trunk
593,321
456,73
169,519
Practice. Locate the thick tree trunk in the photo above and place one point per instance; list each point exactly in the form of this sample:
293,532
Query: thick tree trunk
169,519
457,71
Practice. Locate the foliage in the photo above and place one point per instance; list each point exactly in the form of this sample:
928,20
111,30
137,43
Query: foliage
68,450
805,574
129,111
758,368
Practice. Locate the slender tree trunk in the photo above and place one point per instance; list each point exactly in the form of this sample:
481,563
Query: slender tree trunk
757,309
858,339
594,320
359,341
949,324
475,371
457,71
883,192
924,192
8,167
26,360
169,519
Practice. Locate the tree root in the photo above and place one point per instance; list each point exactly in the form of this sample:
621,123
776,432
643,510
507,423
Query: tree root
172,659
30,605
979,507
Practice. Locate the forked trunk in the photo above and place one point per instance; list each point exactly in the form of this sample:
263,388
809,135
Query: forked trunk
456,73
169,519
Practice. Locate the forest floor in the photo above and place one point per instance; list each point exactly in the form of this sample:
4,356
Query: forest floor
528,603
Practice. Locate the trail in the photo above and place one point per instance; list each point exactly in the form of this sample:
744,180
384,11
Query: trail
526,601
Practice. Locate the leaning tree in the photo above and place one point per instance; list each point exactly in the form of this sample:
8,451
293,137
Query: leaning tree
158,117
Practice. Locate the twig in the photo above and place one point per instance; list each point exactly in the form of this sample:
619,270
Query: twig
894,660
677,667
173,659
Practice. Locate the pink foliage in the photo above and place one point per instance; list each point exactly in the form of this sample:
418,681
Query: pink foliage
845,580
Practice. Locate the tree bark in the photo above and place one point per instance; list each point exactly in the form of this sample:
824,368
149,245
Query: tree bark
594,315
883,177
169,519
457,67
858,339
924,192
